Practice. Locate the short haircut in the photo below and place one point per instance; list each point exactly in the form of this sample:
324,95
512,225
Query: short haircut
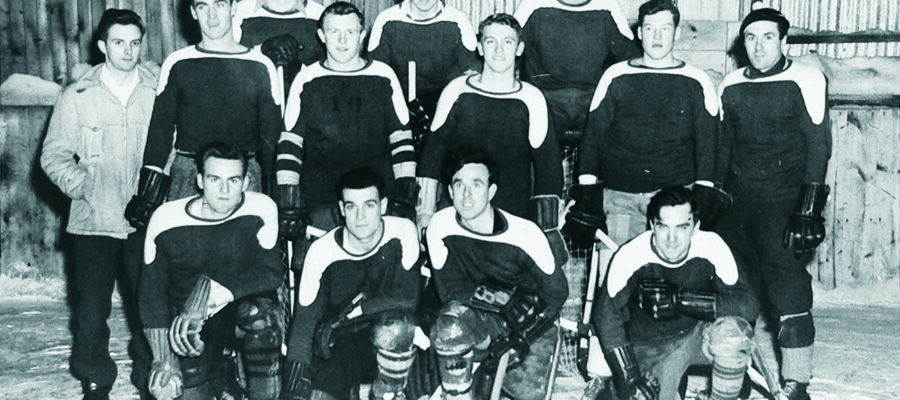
657,6
359,178
671,196
117,16
225,151
766,14
500,19
456,161
192,2
342,8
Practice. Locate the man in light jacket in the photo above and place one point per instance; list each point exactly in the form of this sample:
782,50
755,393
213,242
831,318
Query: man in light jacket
93,152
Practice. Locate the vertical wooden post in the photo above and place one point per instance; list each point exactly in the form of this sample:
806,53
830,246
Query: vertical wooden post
153,39
85,29
167,24
44,42
5,61
58,40
73,46
32,53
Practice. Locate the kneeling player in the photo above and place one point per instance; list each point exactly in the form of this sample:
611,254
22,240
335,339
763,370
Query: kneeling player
501,288
211,265
675,297
358,290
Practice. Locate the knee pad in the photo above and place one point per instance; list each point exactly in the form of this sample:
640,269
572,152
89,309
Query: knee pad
261,357
456,330
259,313
393,341
394,332
729,336
455,369
796,330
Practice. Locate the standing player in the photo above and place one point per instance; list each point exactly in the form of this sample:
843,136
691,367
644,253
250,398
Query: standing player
498,115
93,153
211,268
342,113
674,297
358,293
652,124
215,90
437,37
776,144
499,283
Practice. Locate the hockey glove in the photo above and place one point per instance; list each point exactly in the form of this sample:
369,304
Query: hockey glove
184,334
806,227
520,310
544,211
419,122
292,216
403,198
712,203
326,330
663,301
165,381
297,385
627,376
585,216
283,49
152,188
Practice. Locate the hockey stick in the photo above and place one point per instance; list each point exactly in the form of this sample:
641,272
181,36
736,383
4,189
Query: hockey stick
554,365
758,362
501,373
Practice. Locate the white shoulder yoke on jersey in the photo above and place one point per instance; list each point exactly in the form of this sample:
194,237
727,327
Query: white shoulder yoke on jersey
710,97
527,7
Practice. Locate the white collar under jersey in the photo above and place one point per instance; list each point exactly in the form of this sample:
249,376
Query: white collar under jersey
528,7
122,90
809,79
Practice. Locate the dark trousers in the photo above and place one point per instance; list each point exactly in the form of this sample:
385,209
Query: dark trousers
95,264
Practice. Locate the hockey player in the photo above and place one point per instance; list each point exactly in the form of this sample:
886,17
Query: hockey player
504,118
215,90
342,113
93,153
652,124
568,45
358,293
499,283
775,154
674,297
437,37
211,267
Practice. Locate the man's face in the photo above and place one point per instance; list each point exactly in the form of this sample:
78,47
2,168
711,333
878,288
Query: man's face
471,191
499,46
658,34
223,183
362,210
122,47
214,17
343,37
672,232
424,5
764,47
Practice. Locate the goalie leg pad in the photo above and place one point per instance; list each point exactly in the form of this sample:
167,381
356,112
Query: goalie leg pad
395,353
260,320
455,368
457,329
728,343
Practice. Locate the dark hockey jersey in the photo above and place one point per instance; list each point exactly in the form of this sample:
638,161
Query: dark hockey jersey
511,128
339,121
774,130
206,96
332,276
568,46
709,266
238,252
253,24
651,127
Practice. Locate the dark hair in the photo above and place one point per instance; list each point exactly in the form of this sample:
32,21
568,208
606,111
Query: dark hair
359,178
117,16
192,2
671,196
766,14
500,19
342,8
456,161
657,6
225,151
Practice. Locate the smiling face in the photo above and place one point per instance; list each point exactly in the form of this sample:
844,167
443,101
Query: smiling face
672,232
500,46
362,210
223,183
343,36
764,44
214,17
122,47
658,34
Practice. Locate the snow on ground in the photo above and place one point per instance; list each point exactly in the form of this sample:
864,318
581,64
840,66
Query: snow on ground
857,345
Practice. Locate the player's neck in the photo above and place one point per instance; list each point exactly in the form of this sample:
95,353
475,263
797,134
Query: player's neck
284,6
119,76
355,64
483,223
225,44
417,14
357,245
497,82
668,61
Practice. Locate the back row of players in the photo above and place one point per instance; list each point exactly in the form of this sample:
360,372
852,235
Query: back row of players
650,121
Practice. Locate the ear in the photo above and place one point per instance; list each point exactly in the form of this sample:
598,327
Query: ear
200,181
677,32
450,192
639,33
492,190
384,205
246,183
362,35
101,44
520,48
321,34
193,12
341,207
480,49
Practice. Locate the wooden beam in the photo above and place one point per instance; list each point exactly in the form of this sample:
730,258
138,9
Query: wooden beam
73,47
85,30
5,61
58,40
822,37
44,42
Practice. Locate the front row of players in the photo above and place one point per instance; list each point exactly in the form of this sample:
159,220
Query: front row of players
674,296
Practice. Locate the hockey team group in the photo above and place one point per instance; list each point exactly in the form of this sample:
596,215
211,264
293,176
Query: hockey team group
297,207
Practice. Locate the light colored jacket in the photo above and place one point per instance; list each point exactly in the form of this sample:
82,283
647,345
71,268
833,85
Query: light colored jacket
94,150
